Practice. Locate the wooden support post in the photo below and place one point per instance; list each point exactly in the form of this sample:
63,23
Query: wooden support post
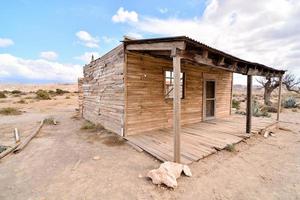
176,106
279,98
249,104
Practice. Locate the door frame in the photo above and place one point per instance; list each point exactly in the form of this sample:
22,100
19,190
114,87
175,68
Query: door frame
204,99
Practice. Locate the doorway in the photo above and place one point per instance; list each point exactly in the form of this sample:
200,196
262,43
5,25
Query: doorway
209,106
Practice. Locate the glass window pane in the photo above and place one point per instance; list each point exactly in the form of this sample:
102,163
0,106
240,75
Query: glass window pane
169,84
210,89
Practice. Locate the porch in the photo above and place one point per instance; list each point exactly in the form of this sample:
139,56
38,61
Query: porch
198,140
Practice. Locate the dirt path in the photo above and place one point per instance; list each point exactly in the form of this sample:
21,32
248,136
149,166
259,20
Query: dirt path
59,164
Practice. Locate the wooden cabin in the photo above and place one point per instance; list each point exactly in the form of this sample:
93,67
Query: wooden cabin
146,85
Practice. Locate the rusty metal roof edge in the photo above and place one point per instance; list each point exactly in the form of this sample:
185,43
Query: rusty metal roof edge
195,42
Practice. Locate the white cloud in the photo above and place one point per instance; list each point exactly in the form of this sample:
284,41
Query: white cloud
49,55
267,32
5,42
12,66
108,40
87,39
163,10
134,35
87,56
125,16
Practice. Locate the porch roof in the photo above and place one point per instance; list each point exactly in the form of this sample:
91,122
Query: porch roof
197,52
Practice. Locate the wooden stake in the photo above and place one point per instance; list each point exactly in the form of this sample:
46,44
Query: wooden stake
16,134
29,138
279,98
249,104
176,107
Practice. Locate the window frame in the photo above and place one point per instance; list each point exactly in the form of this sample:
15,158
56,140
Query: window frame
165,85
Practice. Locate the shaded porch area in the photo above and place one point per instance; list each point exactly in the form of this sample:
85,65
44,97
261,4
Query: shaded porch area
199,140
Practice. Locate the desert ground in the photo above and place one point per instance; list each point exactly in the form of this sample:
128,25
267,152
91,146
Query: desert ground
65,161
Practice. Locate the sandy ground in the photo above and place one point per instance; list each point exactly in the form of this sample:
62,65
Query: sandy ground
59,163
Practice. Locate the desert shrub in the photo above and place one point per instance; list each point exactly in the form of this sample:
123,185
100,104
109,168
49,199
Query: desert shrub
270,109
68,97
16,92
52,92
2,148
2,95
10,111
295,110
230,148
29,97
289,102
22,101
87,125
257,111
235,104
50,121
61,92
42,95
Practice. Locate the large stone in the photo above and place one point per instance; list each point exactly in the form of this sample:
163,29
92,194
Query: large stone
168,172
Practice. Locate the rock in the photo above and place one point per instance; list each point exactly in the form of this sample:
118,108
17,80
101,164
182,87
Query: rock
272,134
266,134
168,172
96,157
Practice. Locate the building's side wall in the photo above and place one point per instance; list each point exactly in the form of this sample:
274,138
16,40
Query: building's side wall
147,109
80,96
103,91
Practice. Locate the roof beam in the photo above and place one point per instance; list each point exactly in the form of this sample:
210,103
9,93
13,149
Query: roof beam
159,46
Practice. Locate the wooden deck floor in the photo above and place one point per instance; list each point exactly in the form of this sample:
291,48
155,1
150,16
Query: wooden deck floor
198,140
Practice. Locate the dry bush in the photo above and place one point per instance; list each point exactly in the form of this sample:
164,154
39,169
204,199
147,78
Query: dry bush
42,95
50,121
235,104
87,125
230,148
61,92
68,97
2,95
10,111
270,109
2,148
289,102
22,101
16,92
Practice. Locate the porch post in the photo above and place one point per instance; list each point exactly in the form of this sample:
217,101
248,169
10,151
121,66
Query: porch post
249,104
176,105
279,98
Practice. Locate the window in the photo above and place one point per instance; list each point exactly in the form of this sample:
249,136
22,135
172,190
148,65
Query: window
169,84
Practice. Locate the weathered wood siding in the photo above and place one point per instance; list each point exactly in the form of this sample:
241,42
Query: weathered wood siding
147,109
103,91
80,96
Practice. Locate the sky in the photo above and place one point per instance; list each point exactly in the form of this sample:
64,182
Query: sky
50,41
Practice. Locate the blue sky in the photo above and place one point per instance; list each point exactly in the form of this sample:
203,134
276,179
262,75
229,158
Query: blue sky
50,41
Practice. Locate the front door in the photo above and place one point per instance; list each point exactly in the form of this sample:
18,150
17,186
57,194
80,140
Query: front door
210,99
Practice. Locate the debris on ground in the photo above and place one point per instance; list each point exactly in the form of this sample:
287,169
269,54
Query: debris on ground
50,121
167,173
96,158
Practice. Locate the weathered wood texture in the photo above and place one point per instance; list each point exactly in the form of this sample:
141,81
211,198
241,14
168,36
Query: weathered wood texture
80,96
249,104
147,109
103,91
198,140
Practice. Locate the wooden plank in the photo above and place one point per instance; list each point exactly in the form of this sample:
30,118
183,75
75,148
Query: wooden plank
158,46
279,98
176,107
249,104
